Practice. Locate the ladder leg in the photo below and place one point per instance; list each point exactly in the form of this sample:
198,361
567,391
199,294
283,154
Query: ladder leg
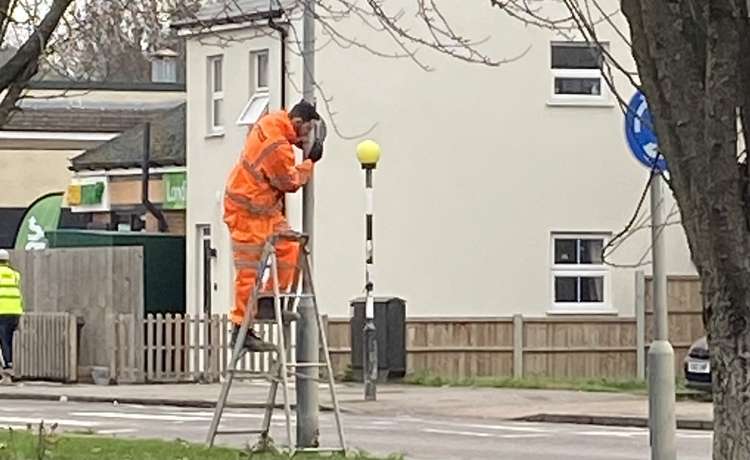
282,350
291,305
271,401
219,409
327,356
237,353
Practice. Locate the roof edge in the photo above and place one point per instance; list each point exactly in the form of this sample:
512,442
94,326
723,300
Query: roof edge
107,166
106,86
227,19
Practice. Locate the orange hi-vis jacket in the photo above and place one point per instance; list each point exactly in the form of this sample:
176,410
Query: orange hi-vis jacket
266,171
253,203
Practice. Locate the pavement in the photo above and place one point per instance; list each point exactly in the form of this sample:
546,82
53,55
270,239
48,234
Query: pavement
416,437
491,404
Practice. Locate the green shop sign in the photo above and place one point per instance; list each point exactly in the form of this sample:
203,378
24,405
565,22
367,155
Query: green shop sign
175,190
85,194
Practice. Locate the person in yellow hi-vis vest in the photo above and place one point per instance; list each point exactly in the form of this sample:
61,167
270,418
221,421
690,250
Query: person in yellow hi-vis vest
11,307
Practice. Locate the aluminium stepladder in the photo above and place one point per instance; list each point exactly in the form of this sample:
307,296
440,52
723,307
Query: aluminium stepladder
281,369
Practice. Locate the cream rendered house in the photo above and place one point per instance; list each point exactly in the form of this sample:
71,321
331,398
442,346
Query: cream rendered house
497,186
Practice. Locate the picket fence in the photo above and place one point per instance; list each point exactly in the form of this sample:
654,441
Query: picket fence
181,348
56,357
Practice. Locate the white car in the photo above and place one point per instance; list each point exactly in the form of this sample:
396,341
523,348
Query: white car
698,366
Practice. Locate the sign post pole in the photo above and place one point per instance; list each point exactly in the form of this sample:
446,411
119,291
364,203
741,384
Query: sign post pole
661,373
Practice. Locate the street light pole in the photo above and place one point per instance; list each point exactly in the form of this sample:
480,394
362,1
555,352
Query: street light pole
661,392
307,326
368,153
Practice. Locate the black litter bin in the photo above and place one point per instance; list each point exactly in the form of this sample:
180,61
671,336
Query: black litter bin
390,328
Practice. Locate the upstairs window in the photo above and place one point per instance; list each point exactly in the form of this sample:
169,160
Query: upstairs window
257,105
216,94
261,70
577,73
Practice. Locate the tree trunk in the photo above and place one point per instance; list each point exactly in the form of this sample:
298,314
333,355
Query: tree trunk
689,59
730,347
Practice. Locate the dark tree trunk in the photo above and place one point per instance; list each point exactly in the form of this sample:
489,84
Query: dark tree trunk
693,72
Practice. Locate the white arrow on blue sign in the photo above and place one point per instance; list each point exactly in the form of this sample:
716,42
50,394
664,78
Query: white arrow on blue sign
640,134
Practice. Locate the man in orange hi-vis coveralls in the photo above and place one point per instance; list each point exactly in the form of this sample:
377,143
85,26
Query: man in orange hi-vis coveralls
253,203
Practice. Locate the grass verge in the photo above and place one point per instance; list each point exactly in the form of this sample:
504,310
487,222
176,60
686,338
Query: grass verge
44,444
538,383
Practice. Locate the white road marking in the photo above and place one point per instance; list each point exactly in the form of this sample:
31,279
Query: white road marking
384,422
47,421
614,434
522,436
136,416
506,428
520,428
116,431
708,435
370,428
457,433
211,414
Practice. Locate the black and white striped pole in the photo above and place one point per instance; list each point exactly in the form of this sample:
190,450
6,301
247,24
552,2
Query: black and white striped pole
368,154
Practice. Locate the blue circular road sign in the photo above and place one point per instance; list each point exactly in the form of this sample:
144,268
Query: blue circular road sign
639,131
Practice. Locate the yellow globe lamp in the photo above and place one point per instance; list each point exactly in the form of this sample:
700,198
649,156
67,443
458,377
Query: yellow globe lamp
368,154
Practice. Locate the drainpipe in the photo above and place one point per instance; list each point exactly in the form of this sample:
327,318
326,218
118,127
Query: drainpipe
282,34
145,169
282,80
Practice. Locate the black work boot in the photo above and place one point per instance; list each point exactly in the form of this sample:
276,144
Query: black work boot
253,342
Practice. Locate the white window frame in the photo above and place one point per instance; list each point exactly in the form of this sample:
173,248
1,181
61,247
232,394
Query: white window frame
254,109
580,270
256,58
215,95
260,98
603,99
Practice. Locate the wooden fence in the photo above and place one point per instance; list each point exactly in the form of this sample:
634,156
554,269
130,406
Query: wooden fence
89,283
183,348
557,347
54,357
685,305
569,347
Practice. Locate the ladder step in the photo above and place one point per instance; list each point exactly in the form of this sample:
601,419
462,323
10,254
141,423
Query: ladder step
285,295
306,364
230,432
319,450
250,375
296,296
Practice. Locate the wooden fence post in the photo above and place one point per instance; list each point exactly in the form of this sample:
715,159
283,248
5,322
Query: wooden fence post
640,324
150,347
159,346
517,346
110,334
71,350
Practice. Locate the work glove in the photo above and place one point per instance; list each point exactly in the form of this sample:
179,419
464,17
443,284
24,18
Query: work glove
316,151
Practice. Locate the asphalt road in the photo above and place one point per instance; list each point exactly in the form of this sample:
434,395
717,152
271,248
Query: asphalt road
417,438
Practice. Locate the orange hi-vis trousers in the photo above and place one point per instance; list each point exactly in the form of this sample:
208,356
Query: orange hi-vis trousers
247,248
